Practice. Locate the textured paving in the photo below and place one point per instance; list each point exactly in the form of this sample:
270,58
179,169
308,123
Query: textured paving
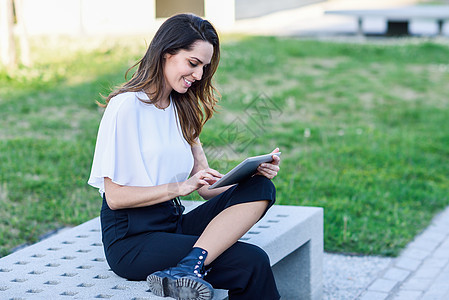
421,271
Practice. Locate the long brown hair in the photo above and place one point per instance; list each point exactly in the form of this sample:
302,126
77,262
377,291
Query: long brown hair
197,105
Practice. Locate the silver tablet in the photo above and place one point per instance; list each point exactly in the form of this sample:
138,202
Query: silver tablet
243,170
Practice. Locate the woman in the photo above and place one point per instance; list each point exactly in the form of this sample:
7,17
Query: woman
148,153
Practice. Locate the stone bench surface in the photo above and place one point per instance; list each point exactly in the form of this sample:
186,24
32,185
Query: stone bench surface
72,263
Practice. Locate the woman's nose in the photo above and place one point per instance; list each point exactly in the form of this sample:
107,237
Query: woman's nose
198,74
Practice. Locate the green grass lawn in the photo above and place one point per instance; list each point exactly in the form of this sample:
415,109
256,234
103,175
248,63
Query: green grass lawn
364,131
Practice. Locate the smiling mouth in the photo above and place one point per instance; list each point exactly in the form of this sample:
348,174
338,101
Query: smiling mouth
188,83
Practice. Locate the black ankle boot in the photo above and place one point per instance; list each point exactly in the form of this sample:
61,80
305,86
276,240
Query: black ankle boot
183,281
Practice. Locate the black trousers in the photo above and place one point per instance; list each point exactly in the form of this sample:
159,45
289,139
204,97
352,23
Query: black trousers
140,241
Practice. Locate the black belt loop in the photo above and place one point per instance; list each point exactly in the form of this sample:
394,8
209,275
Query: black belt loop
179,207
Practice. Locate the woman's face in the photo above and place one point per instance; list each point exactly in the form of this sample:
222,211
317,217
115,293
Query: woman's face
186,66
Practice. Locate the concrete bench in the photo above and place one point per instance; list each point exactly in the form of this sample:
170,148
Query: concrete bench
398,19
72,262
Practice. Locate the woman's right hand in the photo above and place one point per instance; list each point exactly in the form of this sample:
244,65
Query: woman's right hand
201,178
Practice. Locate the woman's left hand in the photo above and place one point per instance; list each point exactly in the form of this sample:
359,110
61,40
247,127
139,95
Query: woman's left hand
270,169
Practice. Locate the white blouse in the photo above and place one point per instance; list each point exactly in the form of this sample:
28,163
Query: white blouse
139,144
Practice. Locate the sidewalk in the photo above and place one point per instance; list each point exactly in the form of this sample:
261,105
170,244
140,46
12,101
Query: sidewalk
422,270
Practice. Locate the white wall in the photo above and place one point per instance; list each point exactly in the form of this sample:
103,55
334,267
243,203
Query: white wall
51,16
108,17
74,17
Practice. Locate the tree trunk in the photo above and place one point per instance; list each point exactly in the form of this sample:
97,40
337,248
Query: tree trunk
8,47
23,34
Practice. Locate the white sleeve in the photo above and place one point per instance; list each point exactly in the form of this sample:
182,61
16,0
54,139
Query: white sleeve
117,152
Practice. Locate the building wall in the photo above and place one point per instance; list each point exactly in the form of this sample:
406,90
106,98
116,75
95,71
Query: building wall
116,17
119,17
75,17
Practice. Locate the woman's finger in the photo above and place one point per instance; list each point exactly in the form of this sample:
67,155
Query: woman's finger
267,172
269,167
214,172
208,176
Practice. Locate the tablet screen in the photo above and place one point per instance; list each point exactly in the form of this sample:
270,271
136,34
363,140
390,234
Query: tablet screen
243,170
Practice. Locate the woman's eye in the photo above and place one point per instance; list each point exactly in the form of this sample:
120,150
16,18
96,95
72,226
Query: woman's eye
193,64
